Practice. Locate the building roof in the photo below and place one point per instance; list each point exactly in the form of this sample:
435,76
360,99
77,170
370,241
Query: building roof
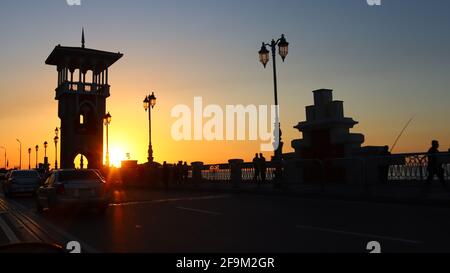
76,57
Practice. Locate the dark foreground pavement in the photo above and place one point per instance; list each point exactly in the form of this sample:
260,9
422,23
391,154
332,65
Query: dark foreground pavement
193,222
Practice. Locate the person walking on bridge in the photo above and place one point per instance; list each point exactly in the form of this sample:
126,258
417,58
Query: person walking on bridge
256,168
263,167
434,167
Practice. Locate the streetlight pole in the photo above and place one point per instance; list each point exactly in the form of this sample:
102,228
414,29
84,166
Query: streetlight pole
20,154
45,149
2,147
29,158
283,46
56,147
107,120
45,155
149,104
37,155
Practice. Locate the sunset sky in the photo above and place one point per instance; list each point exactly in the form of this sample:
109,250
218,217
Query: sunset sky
386,63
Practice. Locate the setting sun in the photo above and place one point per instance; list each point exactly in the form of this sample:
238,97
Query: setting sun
116,154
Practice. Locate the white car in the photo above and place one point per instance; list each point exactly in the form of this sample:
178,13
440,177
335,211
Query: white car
73,189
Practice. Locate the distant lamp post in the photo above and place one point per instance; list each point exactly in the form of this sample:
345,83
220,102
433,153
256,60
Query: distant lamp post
107,120
264,57
20,154
149,104
29,158
37,155
56,139
4,148
56,151
45,149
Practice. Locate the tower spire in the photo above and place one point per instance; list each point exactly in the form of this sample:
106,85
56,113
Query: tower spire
82,38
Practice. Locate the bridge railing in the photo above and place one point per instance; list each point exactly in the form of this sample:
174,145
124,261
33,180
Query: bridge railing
222,172
415,167
394,169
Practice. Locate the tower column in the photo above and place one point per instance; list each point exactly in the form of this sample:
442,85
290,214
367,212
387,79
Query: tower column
76,138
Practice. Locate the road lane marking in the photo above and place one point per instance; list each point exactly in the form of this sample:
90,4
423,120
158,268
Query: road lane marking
37,221
134,203
8,232
358,234
200,211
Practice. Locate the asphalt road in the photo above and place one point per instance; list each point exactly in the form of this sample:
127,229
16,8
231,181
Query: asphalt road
167,222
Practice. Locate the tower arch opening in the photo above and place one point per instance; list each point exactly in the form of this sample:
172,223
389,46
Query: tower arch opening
81,162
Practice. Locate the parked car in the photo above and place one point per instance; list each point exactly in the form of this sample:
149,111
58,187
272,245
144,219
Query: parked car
66,189
21,182
3,174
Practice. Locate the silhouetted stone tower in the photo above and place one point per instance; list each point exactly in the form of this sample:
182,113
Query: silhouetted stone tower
81,93
326,131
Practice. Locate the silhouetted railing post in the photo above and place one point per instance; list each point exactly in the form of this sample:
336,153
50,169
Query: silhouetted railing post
197,172
236,171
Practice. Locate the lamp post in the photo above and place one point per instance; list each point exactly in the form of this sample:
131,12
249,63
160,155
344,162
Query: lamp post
264,56
107,120
45,155
37,154
45,149
56,139
56,151
20,154
29,158
149,104
4,148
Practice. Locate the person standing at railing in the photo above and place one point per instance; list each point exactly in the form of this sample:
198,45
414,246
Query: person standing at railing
434,168
165,175
263,167
256,168
185,172
383,168
179,172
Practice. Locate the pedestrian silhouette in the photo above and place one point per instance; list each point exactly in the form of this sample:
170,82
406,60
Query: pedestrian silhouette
166,175
185,171
383,170
179,172
263,167
256,167
434,168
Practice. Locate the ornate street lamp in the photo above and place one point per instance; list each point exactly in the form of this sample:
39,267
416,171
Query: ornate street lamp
264,57
37,153
45,149
149,104
283,50
107,120
55,140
